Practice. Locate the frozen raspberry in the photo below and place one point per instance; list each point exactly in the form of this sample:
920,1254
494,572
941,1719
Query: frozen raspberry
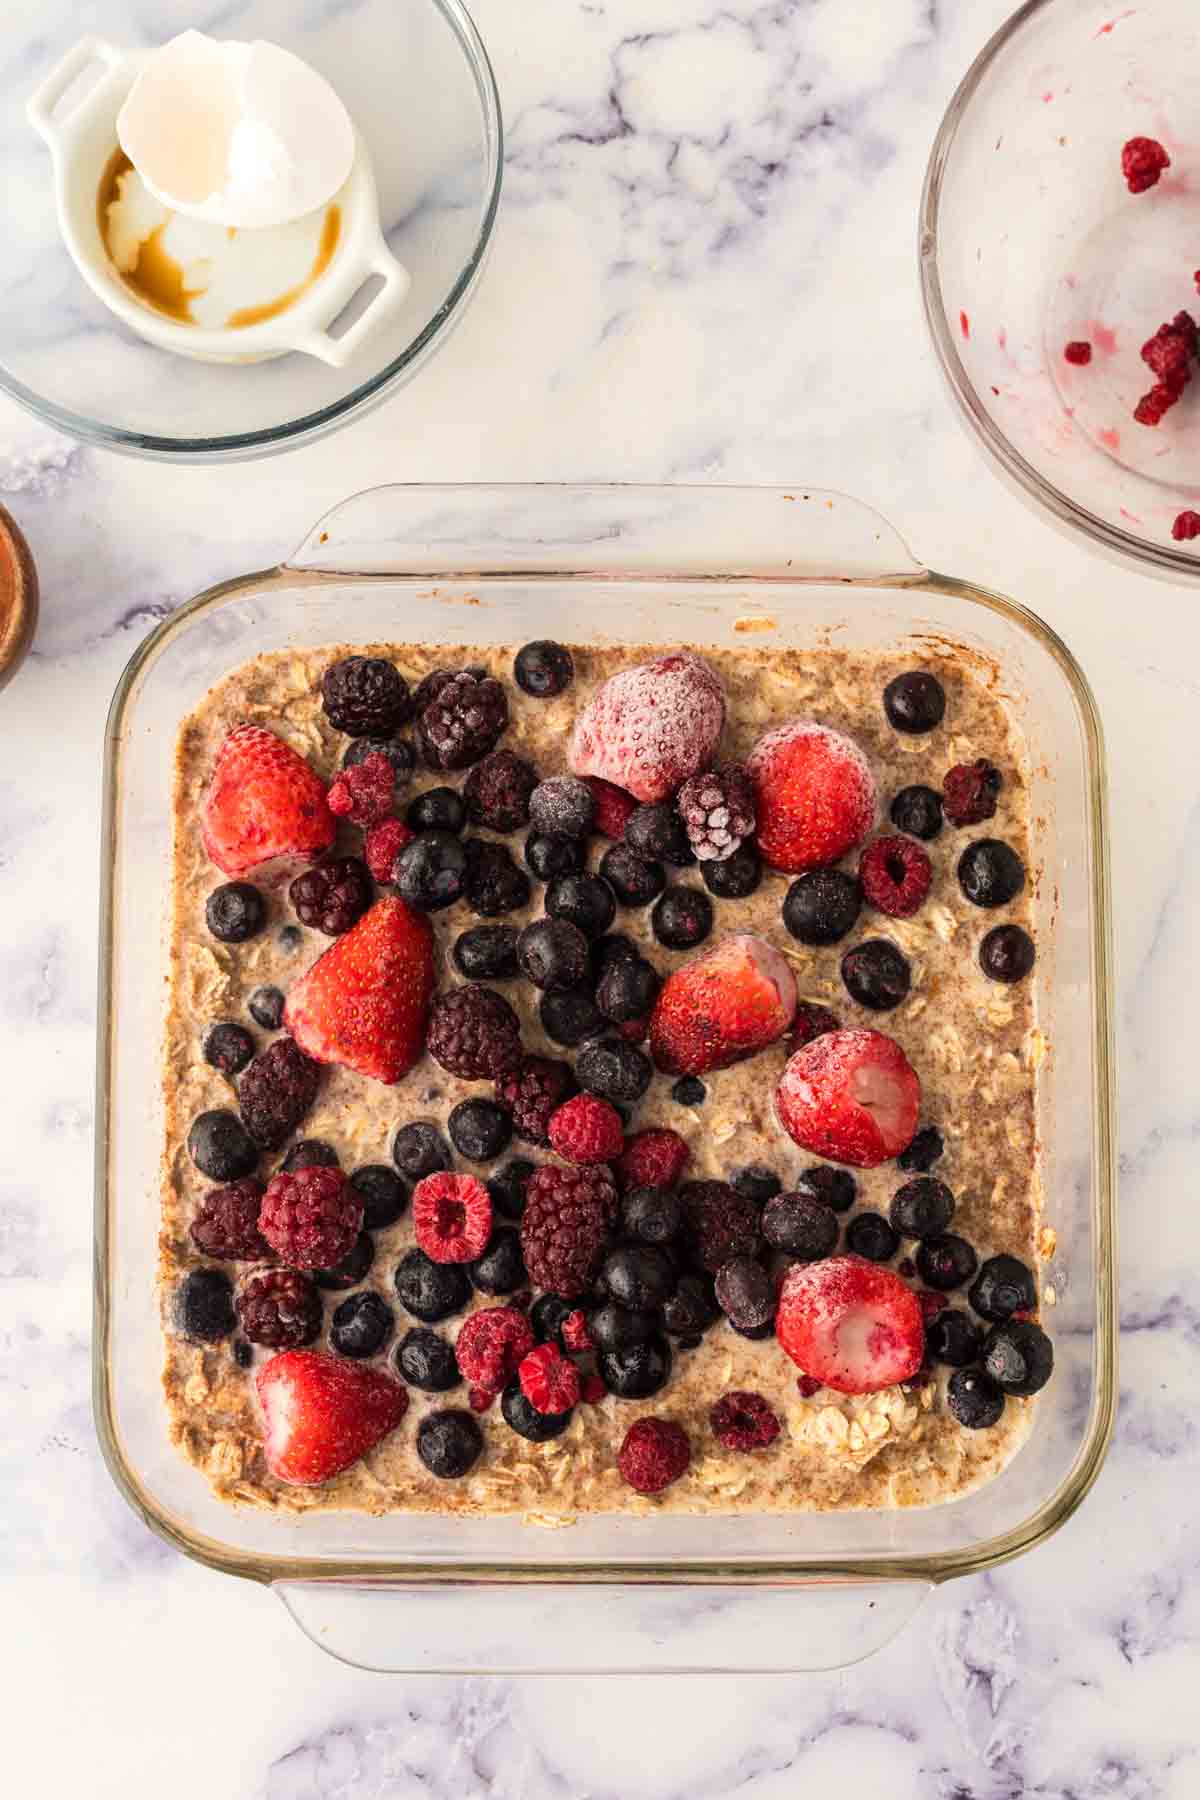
276,1091
532,1092
497,791
655,1453
479,1399
332,896
452,1217
932,1304
365,696
807,1386
719,1223
226,1225
1153,407
383,843
568,1216
1168,354
895,873
280,1308
474,1032
548,1380
592,1390
311,1217
364,792
1079,352
634,1031
651,726
576,1333
811,1021
614,808
587,1130
1186,526
743,1421
461,719
969,792
718,811
490,1346
652,1159
1143,160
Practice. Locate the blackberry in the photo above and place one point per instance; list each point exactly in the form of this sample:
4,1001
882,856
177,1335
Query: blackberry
974,1399
582,900
918,811
1018,1356
487,953
350,1269
924,1150
876,974
718,1223
564,804
437,809
431,872
532,1092
651,1215
427,1361
952,1338
914,702
420,1149
449,1443
221,1147
745,1293
756,1183
682,917
717,810
638,1276
659,834
689,1091
552,853
869,1234
364,696
479,1129
1002,1287
431,1291
801,1226
498,789
543,669
922,1208
276,1091
565,1225
310,1153
226,1223
614,1070
634,879
203,1306
397,752
501,1268
473,1032
462,721
331,896
383,1194
627,989
571,1016
227,1047
265,1007
494,884
553,954
692,1308
946,1261
361,1325
279,1308
1007,954
235,912
507,1189
527,1421
836,1187
822,906
969,792
734,877
637,1371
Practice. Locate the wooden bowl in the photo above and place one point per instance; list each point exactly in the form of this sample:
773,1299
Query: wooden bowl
18,597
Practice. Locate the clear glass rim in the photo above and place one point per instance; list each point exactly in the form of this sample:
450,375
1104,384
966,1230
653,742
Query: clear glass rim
1160,559
1054,1511
244,446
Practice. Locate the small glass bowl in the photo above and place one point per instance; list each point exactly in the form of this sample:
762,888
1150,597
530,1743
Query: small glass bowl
416,80
1030,239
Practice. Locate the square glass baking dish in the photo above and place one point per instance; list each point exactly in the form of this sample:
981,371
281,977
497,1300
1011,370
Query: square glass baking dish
695,566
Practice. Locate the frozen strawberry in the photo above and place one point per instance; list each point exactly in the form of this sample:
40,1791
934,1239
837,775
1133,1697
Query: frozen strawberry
815,795
614,808
652,726
365,1002
850,1096
548,1380
850,1324
722,1006
263,801
322,1413
452,1217
655,1158
586,1130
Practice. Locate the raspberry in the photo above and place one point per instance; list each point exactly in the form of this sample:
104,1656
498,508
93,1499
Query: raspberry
532,1091
474,1032
1079,352
460,719
490,1346
383,843
592,1389
276,1091
1153,407
365,696
311,1217
969,792
808,1386
452,1217
655,1453
718,811
479,1399
614,807
226,1226
652,1159
1186,526
1169,355
587,1130
280,1308
548,1381
719,1223
497,791
332,896
576,1333
1143,160
931,1303
811,1021
565,1226
895,873
364,792
743,1421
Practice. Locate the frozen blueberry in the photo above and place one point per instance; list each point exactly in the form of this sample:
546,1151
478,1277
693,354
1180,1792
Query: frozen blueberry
950,1337
822,906
876,974
989,873
1002,1287
735,877
652,1215
543,669
427,1361
836,1187
449,1443
265,1007
227,1047
221,1147
1007,953
234,912
494,884
1018,1356
583,900
922,1208
501,1268
627,989
563,803
507,1188
745,1293
479,1129
431,872
692,1308
420,1149
634,879
659,834
549,854
398,753
914,702
918,811
553,954
204,1306
527,1421
756,1183
974,1399
437,809
546,1317
353,1266
571,1016
638,1276
428,1290
383,1194
946,1261
310,1153
617,1327
682,917
869,1234
487,953
926,1149
800,1225
689,1091
639,1370
614,1070
361,1325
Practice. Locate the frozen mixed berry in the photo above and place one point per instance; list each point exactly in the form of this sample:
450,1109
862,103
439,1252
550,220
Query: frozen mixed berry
276,1092
990,873
479,1129
487,953
917,810
543,669
586,1130
384,841
800,1225
564,804
498,789
974,1399
745,1292
659,834
398,753
265,1007
473,1032
549,1381
614,807
420,1149
638,1276
462,721
427,1361
523,1417
717,810
652,1159
637,1371
1143,160
688,1091
363,793
951,1337
279,1308
925,1149
582,900
969,791
946,1262
914,702
203,1306
449,1443
735,876
571,1016
331,896
549,854
655,1452
226,1223
452,1217
227,1048
869,1234
221,1147
235,912
876,974
553,954
1003,1286
494,884
532,1091
1018,1356
508,1187
743,1421
437,809
1078,352
361,1325
922,1208
430,873
682,917
1186,526
718,1223
627,989
895,874
614,1070
428,1290
1007,953
651,1215
311,1218
568,1216
349,1269
822,906
501,1268
692,1308
383,1194
365,696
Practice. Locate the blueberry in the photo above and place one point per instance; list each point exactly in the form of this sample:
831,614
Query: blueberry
974,1399
546,1317
487,953
735,877
431,872
437,809
1003,1286
926,1149
527,1421
688,1091
204,1306
553,954
383,1194
449,1443
627,989
922,1208
836,1187
634,879
420,1149
614,1070
756,1183
549,854
945,1262
310,1153
914,702
757,1333
876,974
427,1361
563,803
1018,1356
228,1048
952,1338
869,1234
221,1147
428,1290
638,1276
235,912
613,947
243,1354
1006,953
822,906
989,873
265,1007
571,1016
543,669
290,938
583,900
398,753
682,917
494,884
353,1266
361,1325
637,1371
659,834
652,1215
917,811
501,1268
692,1308
800,1225
745,1293
508,1188
616,1327
479,1129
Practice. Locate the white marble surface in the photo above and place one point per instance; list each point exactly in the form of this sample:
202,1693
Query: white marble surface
704,270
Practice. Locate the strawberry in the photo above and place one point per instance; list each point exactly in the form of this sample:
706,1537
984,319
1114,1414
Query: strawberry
364,1003
722,1006
263,801
322,1413
652,726
850,1096
614,807
815,795
850,1324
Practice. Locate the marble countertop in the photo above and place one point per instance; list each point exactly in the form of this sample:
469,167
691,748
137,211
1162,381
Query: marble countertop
676,294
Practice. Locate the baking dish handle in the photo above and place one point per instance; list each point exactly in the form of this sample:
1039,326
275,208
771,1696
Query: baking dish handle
784,534
468,1628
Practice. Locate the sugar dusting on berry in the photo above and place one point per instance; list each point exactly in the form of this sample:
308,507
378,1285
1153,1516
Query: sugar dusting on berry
651,726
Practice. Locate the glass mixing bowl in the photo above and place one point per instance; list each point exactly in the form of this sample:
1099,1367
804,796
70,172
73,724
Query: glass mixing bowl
1030,239
417,82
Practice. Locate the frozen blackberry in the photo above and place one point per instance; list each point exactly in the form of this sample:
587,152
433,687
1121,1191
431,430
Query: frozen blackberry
734,877
946,1261
549,854
876,974
507,1188
692,1308
361,1325
396,751
563,803
627,990
682,917
310,1153
227,1047
950,1337
582,900
501,1268
383,1195
431,1291
543,669
427,1361
479,1129
614,1070
276,1091
462,721
553,954
235,912
331,896
497,791
571,1016
226,1223
494,884
822,906
221,1147
756,1183
718,1223
922,1208
717,809
918,811
869,1234
525,1419
431,872
565,1226
364,696
350,1269
265,1007
689,1091
745,1293
420,1149
487,953
203,1306
533,1091
473,1032
800,1225
925,1149
634,879
651,1215
639,1370
279,1308
437,809
658,833
638,1276
449,1443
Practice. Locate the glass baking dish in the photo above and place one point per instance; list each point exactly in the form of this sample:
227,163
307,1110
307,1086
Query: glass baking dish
677,566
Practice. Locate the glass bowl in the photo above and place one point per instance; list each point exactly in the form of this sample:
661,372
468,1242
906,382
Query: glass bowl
417,82
1030,239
